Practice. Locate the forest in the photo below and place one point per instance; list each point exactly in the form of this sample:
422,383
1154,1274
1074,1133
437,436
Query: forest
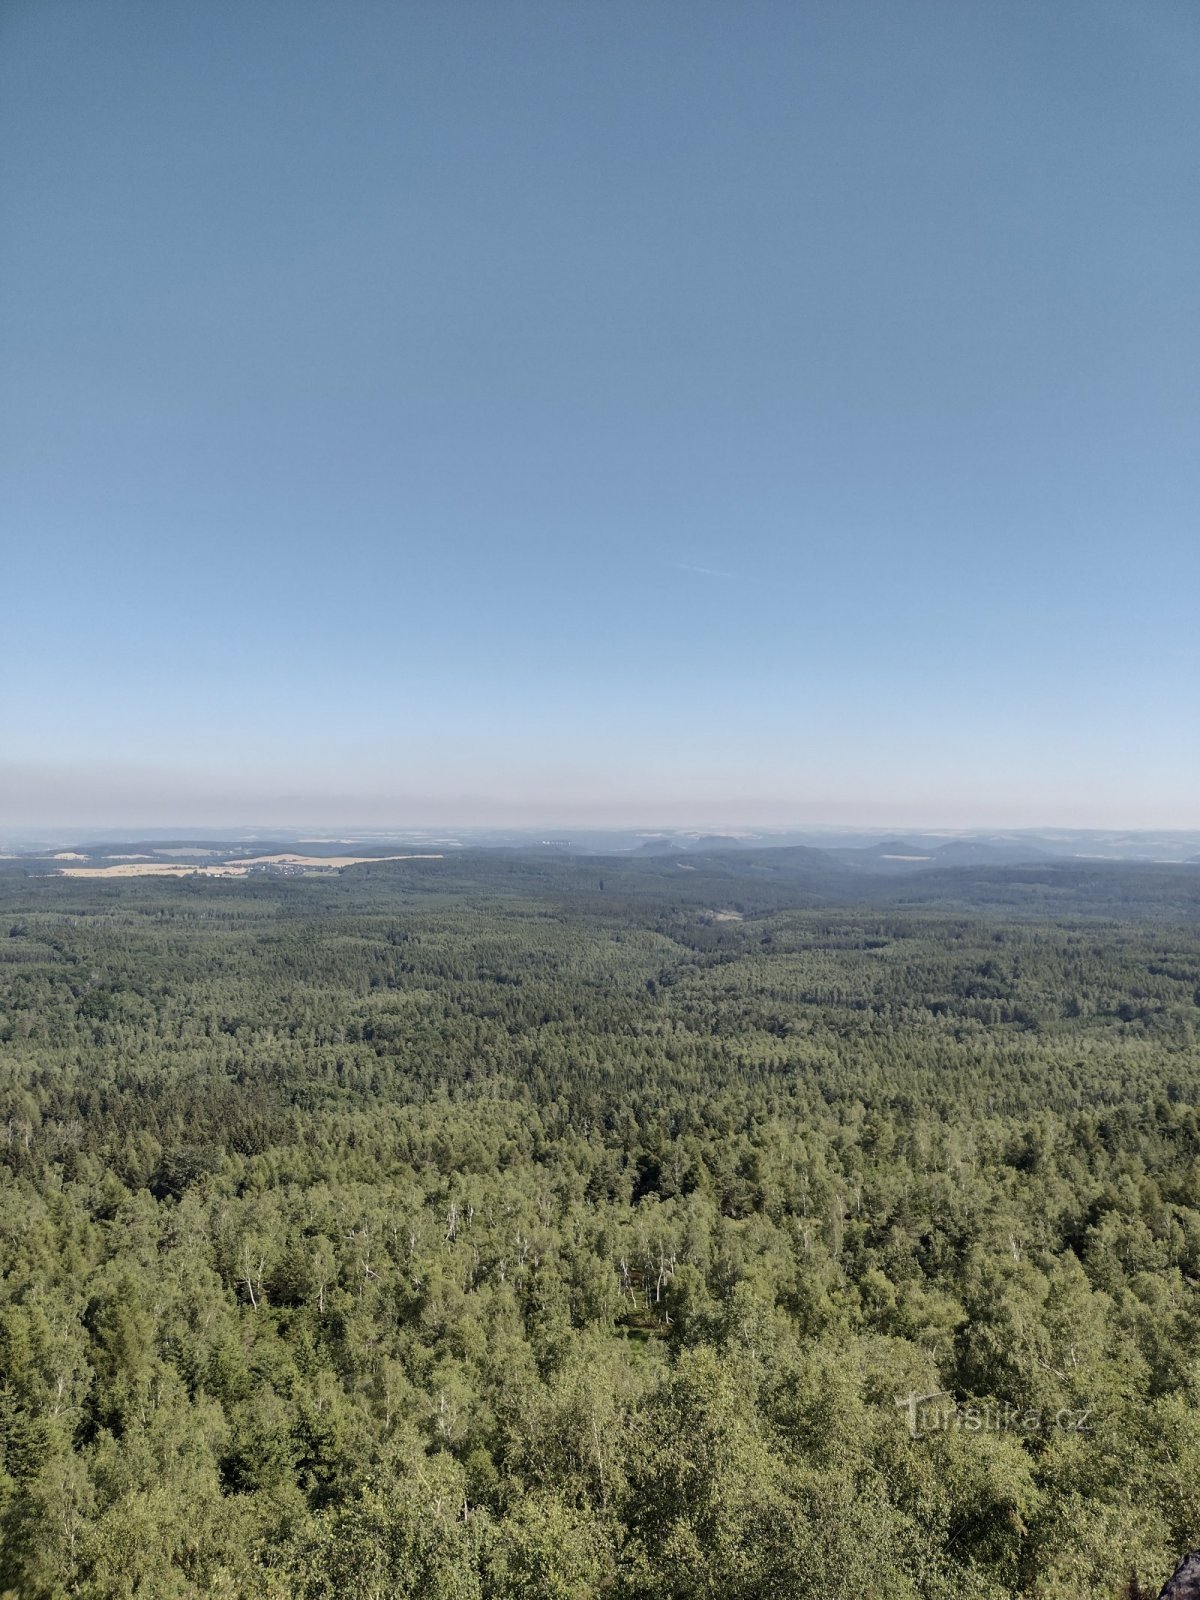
509,1227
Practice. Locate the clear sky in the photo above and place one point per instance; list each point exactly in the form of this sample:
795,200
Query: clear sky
597,411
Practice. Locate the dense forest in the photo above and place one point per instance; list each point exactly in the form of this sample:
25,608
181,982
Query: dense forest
515,1228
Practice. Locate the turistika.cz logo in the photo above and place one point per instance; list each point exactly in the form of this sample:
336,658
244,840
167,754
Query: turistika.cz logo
941,1413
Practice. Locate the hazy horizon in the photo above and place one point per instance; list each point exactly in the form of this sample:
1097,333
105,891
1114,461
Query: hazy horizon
125,801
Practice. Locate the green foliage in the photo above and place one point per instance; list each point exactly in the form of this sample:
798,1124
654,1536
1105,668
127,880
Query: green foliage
487,1238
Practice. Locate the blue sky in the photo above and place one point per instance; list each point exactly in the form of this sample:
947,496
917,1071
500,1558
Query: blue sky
643,412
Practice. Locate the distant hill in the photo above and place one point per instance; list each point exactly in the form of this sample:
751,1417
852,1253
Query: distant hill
674,843
898,850
896,854
984,853
889,855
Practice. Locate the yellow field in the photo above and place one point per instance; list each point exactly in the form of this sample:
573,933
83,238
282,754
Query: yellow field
227,869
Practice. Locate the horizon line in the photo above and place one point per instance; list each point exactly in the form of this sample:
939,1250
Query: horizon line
642,825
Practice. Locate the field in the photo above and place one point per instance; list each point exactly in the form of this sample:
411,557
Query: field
239,868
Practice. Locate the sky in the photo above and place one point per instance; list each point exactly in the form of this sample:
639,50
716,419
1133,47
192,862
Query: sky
662,412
